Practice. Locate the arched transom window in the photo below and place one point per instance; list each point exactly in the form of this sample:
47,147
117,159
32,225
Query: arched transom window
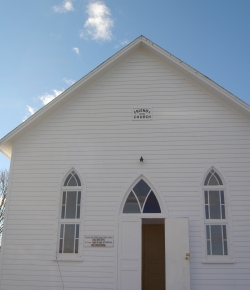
141,199
72,180
215,215
213,178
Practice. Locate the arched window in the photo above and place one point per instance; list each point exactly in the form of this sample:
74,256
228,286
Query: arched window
141,200
216,221
72,180
70,213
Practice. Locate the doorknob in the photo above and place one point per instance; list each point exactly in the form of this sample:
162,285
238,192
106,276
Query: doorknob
187,256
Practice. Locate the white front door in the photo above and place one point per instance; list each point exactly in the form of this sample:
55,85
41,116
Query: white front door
129,254
177,254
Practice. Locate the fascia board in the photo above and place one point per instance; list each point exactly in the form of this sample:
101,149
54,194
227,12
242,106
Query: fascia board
6,149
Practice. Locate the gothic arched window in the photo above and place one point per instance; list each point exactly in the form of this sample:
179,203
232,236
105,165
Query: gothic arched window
141,200
70,213
215,215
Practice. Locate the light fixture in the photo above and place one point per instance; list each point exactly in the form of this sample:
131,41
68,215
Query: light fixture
141,159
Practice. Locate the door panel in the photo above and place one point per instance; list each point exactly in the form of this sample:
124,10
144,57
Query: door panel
176,247
153,257
130,254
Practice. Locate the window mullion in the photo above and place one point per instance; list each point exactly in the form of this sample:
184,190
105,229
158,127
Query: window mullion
213,187
66,198
137,200
76,204
222,238
210,240
74,242
146,199
63,238
208,200
220,205
216,222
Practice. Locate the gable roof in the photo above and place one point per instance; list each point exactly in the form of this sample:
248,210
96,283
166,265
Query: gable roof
141,42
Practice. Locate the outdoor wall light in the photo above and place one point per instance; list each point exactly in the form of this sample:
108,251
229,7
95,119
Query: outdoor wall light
141,159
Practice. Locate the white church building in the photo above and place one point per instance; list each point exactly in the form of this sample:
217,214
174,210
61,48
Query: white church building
137,177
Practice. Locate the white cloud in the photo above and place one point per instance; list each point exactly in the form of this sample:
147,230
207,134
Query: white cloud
69,82
122,43
76,50
99,22
66,6
31,111
46,98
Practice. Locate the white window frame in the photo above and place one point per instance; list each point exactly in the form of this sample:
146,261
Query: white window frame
70,256
216,258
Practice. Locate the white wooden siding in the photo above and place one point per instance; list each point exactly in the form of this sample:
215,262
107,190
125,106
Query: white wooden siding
190,132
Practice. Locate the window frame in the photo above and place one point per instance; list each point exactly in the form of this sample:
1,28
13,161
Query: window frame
75,221
216,258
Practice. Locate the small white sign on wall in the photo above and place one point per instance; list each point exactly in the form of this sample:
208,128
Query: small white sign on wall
98,241
142,114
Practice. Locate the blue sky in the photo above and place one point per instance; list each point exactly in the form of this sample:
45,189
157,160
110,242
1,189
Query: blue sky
47,45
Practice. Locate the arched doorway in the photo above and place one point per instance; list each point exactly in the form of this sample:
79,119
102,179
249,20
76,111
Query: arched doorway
141,239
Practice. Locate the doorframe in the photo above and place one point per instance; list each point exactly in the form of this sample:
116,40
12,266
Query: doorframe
120,215
128,217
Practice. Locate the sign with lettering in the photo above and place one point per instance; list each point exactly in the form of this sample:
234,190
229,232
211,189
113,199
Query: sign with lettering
142,114
99,241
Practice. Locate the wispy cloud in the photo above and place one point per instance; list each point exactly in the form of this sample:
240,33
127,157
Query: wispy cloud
31,111
66,6
99,22
122,43
69,82
76,50
46,98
